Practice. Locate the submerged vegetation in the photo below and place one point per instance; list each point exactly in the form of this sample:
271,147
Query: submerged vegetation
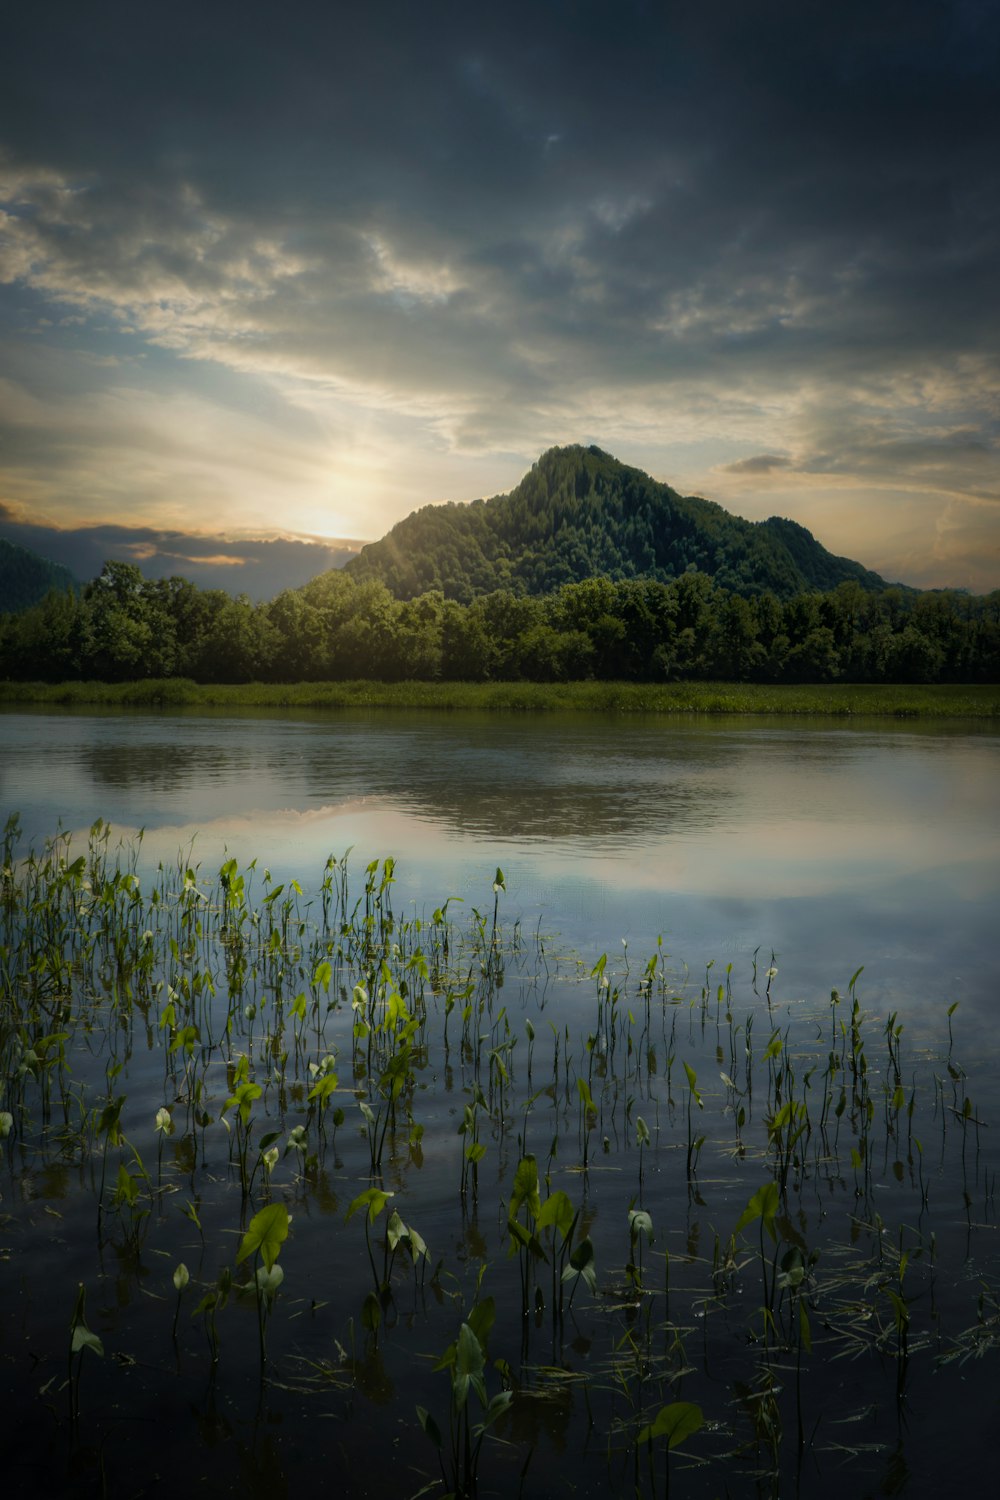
511,1221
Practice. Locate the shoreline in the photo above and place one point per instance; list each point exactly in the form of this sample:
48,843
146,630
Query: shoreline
829,700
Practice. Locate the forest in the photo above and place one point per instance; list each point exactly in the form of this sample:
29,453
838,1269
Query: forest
340,627
580,514
25,578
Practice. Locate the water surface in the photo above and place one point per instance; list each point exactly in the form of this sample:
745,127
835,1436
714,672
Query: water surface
831,845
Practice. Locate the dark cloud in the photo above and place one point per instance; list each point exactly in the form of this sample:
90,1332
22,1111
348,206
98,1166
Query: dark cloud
509,226
760,463
258,567
712,149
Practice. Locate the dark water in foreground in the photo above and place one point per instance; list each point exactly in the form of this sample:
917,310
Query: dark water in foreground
833,847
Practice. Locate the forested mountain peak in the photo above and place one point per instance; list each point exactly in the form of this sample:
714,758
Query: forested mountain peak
580,513
26,577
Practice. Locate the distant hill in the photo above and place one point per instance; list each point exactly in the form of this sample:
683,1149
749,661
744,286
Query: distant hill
25,578
579,513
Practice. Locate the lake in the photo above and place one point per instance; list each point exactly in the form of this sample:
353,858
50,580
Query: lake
713,851
832,845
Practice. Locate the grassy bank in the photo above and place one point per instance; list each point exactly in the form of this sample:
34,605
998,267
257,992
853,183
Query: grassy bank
900,701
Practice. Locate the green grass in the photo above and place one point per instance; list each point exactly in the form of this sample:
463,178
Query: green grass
837,699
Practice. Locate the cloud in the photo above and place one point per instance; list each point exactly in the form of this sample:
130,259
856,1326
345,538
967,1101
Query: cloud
259,567
759,463
431,242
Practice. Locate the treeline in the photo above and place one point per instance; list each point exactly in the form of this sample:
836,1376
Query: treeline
337,629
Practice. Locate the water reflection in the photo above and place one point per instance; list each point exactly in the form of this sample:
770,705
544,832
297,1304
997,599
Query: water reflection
835,845
608,784
158,767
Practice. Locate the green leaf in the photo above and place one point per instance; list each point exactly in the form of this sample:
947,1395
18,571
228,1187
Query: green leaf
469,1365
81,1336
244,1097
269,1278
900,1311
639,1222
396,1231
84,1339
267,1232
108,1123
763,1205
558,1210
582,1263
324,1088
481,1320
674,1422
496,1408
374,1199
522,1239
429,1425
525,1189
127,1188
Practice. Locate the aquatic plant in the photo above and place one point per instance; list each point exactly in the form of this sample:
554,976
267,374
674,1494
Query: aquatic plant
265,1235
821,1177
465,1362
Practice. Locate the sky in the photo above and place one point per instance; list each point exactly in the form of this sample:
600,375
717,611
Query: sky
273,276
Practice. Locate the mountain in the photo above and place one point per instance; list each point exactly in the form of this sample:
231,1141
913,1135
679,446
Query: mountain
25,578
580,513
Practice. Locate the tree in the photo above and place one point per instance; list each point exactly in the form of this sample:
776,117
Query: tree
299,650
118,636
735,651
815,659
239,643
